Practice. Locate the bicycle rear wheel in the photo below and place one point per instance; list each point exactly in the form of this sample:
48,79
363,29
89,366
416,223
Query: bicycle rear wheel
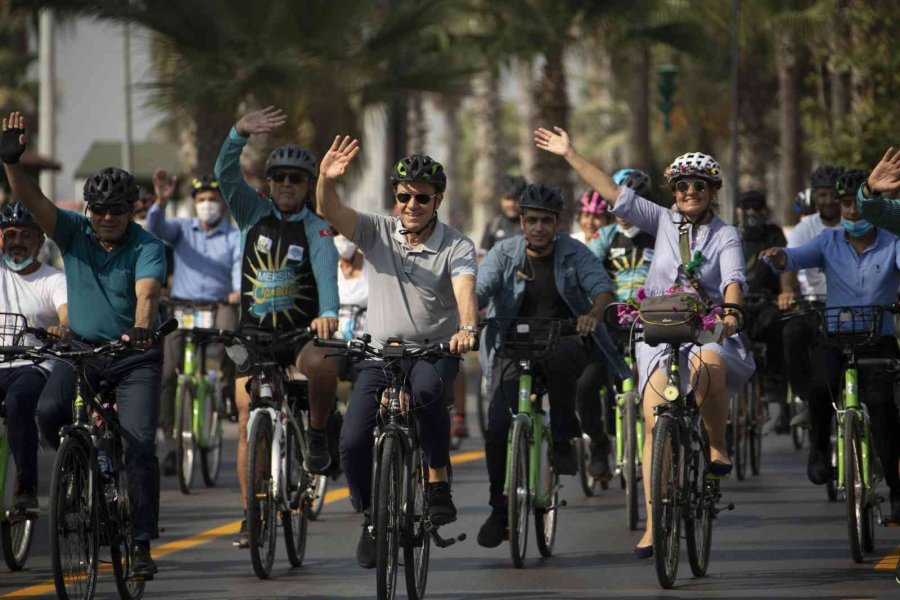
698,520
211,453
417,545
387,518
630,461
854,486
74,527
831,486
545,516
319,489
755,421
666,488
738,430
184,438
295,516
261,521
583,447
519,496
119,511
16,539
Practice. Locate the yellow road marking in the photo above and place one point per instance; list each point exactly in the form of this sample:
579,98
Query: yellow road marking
889,562
42,589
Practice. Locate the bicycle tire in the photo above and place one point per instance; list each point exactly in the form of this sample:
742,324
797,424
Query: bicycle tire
519,496
211,454
831,486
16,539
698,520
417,549
261,521
184,436
483,403
70,484
545,522
667,472
755,425
854,488
120,545
319,489
387,525
630,462
583,447
738,433
798,432
295,516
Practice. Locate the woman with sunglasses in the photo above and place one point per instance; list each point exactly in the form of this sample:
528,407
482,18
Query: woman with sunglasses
717,369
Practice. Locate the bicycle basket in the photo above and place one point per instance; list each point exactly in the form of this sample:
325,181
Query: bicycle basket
849,325
12,329
670,319
190,316
530,341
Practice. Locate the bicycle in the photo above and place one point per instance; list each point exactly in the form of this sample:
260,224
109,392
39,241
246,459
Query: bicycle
681,488
795,404
400,505
589,483
197,422
277,480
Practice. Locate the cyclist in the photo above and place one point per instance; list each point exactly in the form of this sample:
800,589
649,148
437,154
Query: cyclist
505,224
717,369
862,266
592,217
207,251
288,272
879,198
765,324
38,292
421,289
542,275
114,273
353,288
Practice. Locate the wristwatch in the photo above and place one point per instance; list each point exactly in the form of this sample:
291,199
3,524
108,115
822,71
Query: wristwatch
469,328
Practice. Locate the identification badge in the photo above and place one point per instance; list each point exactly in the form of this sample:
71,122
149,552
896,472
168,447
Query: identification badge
295,253
263,244
616,252
648,254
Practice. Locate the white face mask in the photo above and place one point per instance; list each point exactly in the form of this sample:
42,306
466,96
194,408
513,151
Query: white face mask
346,249
628,232
209,211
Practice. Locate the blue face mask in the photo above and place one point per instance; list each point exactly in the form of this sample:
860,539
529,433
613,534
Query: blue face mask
17,266
856,228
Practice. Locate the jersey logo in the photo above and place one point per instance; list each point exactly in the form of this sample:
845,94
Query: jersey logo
616,252
326,233
295,253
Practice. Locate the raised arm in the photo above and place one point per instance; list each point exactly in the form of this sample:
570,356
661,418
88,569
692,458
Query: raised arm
879,199
328,203
558,142
12,145
157,224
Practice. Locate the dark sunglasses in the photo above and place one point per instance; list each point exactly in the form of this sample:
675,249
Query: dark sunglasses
422,199
295,178
685,184
116,211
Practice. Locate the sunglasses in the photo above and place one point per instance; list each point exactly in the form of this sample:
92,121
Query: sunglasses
685,184
422,199
116,211
295,178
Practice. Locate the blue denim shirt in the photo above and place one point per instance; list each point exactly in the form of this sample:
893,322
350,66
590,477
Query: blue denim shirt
579,277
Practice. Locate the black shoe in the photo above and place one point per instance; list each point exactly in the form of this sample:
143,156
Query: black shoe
26,502
719,469
494,530
365,549
169,467
599,467
142,564
895,506
818,469
642,552
242,539
564,460
318,458
440,503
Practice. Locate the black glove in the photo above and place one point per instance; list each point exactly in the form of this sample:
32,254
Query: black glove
10,148
138,335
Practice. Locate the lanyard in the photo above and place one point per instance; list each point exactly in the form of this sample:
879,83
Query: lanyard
692,276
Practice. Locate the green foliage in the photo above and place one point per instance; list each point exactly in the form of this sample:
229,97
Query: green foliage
16,90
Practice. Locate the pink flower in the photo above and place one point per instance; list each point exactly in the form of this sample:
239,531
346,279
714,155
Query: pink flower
641,294
717,310
707,322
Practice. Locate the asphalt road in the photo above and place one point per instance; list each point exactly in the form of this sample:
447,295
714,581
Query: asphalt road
784,540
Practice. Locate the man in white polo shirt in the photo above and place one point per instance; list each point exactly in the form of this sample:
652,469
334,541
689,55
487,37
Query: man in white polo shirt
421,289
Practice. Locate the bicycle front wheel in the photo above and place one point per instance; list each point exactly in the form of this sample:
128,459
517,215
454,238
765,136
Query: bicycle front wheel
261,522
211,452
119,511
545,514
831,486
320,488
583,448
74,527
630,466
16,539
855,489
295,516
519,495
387,518
755,420
699,518
184,438
666,489
417,549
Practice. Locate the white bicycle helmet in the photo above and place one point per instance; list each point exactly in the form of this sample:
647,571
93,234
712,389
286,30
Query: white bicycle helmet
695,164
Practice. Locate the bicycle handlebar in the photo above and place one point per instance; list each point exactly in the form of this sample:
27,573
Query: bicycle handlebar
890,364
360,349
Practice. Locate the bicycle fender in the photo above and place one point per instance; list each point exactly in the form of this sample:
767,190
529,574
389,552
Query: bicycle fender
255,414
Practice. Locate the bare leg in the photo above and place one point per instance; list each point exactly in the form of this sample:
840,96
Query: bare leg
652,397
322,374
708,379
242,400
435,475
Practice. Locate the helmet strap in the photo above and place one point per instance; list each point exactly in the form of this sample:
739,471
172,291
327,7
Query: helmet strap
404,231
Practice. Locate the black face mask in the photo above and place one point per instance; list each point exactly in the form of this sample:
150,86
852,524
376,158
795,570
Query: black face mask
752,226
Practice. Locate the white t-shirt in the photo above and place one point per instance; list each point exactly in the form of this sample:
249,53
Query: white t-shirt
353,293
37,296
812,281
579,235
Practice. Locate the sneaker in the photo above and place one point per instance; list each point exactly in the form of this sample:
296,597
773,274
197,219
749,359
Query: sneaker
318,458
365,549
599,467
242,539
440,503
26,502
169,466
564,460
818,469
801,419
495,529
460,429
142,564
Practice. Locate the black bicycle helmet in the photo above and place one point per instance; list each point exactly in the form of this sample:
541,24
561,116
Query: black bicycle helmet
514,186
110,187
849,182
205,183
420,167
541,197
825,176
292,156
636,180
15,214
752,199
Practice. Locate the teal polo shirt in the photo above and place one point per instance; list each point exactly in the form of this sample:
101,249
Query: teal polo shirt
100,284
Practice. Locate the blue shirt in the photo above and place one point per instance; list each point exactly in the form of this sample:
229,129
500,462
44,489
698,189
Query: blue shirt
867,279
207,263
101,284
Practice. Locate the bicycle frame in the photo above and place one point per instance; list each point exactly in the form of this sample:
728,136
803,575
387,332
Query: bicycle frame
850,402
194,358
628,394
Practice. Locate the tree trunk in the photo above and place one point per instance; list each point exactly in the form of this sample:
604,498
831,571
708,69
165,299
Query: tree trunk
487,175
552,104
789,89
526,110
638,150
416,124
